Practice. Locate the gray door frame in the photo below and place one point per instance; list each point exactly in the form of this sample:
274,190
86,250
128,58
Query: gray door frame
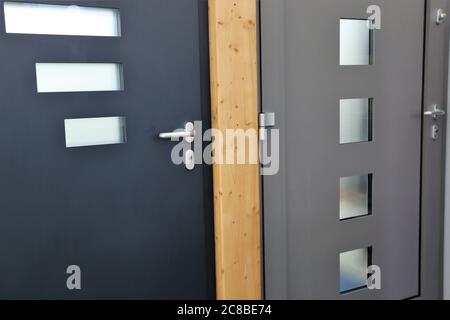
433,152
433,155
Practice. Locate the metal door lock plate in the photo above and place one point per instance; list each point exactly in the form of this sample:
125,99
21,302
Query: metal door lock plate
441,16
189,160
435,132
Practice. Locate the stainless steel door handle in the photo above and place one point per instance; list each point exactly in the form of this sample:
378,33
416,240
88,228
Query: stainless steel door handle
435,112
175,135
188,134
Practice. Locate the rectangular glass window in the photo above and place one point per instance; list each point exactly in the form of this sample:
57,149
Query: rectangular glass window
355,120
353,269
49,19
356,42
95,131
79,77
355,196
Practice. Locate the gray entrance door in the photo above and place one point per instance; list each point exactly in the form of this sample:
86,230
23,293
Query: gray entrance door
85,180
348,100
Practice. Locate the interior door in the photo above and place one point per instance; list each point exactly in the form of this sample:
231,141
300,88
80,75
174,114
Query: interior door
348,98
85,180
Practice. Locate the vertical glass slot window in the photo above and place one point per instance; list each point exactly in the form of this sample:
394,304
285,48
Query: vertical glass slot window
355,197
79,77
353,269
49,19
356,42
355,117
95,131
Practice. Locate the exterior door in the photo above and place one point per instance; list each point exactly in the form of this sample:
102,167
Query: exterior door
348,96
88,189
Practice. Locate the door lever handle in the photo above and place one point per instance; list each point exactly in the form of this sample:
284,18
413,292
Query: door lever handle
188,134
435,112
175,135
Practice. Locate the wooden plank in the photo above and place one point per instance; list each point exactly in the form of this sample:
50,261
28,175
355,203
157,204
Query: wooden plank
234,95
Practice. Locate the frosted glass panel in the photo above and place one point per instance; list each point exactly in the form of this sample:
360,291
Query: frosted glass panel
95,131
34,18
355,42
353,269
355,196
355,120
78,77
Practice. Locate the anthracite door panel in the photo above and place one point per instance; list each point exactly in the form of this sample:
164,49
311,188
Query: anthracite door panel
349,107
138,226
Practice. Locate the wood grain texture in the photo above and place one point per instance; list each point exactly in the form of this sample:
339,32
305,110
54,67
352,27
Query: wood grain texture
234,94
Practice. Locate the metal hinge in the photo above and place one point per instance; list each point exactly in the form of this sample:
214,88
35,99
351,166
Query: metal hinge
266,120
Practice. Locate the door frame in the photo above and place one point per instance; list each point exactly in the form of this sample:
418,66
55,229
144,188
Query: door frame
234,105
